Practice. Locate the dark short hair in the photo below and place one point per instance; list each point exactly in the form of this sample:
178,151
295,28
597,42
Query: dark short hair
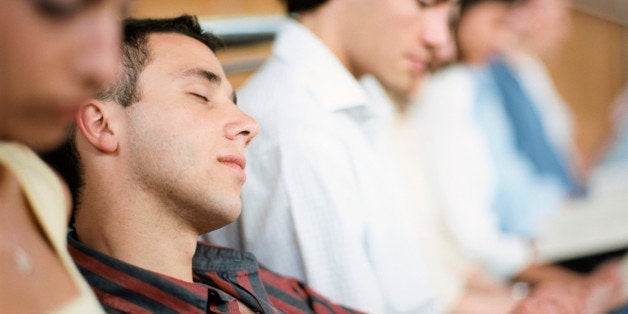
135,56
465,5
298,6
135,53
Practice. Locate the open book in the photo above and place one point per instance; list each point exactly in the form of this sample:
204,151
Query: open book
587,227
588,232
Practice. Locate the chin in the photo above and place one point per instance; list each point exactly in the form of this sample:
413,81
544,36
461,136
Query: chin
236,210
230,211
216,221
403,89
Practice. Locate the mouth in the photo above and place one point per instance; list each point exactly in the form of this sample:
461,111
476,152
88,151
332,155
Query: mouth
235,162
418,64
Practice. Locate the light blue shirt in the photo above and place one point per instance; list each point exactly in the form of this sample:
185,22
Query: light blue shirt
523,196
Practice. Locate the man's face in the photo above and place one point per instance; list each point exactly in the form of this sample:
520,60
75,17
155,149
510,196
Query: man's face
185,136
54,55
394,40
483,30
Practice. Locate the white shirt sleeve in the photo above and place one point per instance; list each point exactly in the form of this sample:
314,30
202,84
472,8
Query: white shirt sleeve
309,223
463,176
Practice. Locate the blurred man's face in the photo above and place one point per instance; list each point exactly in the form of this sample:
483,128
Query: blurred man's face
55,54
393,40
483,31
544,25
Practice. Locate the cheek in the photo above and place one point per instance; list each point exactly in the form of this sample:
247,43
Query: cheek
45,73
404,29
393,24
190,146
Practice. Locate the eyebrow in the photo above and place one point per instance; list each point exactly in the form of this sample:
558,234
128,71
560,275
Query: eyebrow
203,74
211,77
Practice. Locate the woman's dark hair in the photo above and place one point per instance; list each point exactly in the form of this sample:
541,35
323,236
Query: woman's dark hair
465,5
298,6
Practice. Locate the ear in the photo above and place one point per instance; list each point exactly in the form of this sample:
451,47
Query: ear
92,119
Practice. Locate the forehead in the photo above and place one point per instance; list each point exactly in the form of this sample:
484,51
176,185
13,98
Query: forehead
175,52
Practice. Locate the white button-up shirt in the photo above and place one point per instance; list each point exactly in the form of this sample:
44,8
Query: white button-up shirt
321,202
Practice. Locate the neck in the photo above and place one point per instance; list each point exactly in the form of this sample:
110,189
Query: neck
326,23
134,228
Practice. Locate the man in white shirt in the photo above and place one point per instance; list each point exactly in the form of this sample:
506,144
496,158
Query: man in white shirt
322,201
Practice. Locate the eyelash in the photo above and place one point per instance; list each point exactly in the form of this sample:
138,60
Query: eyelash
425,3
56,10
201,97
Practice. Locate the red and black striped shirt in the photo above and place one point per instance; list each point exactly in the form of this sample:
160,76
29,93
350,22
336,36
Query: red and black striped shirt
222,277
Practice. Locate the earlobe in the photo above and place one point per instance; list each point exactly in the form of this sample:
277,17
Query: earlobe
93,122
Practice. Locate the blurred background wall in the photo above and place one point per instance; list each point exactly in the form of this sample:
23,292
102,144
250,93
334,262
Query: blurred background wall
590,74
592,71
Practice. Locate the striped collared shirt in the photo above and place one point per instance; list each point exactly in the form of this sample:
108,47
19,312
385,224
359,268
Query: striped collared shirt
222,278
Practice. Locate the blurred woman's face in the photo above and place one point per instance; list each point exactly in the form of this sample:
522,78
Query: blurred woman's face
544,25
54,55
483,30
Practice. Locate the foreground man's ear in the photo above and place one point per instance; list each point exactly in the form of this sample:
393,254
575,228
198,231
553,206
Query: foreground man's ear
92,122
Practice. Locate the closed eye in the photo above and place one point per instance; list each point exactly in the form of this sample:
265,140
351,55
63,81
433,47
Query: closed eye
59,9
427,3
205,99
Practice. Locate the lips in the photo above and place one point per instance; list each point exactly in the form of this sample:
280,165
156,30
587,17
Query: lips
233,159
236,162
418,64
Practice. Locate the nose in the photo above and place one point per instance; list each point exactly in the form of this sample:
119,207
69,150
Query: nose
437,32
100,59
243,128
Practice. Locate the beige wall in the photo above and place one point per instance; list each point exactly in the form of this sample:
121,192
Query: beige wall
624,55
589,74
166,8
216,8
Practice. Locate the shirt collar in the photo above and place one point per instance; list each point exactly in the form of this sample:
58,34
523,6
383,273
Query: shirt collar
196,294
318,68
381,105
208,258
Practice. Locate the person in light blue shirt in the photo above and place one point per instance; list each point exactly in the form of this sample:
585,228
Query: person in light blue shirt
526,124
523,196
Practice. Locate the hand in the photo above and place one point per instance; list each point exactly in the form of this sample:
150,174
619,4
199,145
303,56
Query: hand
537,305
557,297
598,292
606,287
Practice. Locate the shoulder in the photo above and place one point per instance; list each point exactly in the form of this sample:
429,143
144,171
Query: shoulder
449,94
456,73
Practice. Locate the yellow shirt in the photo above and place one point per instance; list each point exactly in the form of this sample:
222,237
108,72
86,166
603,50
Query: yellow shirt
45,194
